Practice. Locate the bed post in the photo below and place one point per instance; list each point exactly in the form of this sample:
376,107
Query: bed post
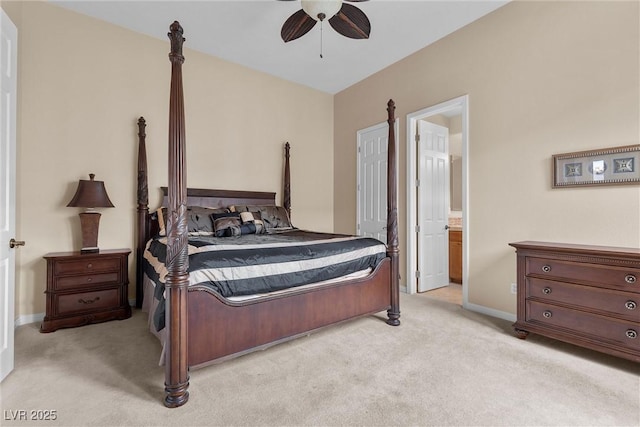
177,262
393,313
286,198
143,209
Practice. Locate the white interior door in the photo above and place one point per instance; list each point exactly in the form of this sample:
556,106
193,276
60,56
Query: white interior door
433,206
8,89
372,181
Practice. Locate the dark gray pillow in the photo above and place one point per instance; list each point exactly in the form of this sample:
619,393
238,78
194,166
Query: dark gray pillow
199,220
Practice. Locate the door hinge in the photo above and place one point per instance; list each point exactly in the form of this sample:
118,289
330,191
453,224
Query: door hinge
358,187
417,228
417,183
417,138
417,274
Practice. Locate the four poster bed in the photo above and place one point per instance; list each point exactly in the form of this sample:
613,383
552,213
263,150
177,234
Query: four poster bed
205,313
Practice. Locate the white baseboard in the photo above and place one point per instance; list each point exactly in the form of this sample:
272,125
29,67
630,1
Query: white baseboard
490,312
29,318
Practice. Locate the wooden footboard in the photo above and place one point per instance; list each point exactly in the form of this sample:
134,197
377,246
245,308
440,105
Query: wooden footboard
259,324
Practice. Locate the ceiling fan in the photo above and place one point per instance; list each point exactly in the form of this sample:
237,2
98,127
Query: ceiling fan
346,19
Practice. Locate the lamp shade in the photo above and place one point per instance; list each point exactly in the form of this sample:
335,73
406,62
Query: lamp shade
90,194
321,9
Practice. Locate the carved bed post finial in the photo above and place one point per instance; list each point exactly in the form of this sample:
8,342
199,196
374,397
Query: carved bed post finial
175,35
143,208
177,261
287,181
393,313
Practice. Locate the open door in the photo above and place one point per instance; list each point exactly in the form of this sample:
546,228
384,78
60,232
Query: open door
8,88
433,206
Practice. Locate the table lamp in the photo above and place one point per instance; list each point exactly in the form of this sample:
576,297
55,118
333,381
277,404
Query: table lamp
90,194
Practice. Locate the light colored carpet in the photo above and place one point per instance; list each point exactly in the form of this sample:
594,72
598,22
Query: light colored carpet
443,366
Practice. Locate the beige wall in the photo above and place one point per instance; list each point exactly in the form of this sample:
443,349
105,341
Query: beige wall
542,78
82,86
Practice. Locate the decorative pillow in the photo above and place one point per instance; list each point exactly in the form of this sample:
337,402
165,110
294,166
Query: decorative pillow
199,221
274,217
248,228
226,224
254,218
246,217
238,208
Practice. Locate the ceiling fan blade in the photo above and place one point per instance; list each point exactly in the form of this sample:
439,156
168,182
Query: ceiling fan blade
297,25
351,22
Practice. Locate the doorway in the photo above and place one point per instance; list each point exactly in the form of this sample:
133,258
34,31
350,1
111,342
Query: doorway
455,110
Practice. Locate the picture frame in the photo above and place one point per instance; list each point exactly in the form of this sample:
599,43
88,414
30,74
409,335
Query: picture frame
608,166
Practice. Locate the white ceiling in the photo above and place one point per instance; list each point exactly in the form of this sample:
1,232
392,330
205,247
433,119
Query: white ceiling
248,33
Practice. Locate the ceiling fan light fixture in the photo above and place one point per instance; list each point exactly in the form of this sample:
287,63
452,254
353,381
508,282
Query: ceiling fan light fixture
321,9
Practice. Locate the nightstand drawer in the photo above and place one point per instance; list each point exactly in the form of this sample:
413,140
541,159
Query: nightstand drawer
592,326
627,279
622,304
87,301
72,282
87,266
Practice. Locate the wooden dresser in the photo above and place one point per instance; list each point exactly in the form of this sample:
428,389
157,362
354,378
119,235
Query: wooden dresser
86,288
581,294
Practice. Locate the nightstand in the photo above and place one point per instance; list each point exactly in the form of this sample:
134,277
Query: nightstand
86,288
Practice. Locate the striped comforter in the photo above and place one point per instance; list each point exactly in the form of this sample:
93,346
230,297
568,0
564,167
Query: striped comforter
262,263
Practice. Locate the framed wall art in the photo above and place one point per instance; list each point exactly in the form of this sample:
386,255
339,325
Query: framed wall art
609,166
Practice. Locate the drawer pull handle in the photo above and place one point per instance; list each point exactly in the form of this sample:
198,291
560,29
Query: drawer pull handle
630,305
546,290
546,268
546,314
89,279
630,278
631,334
89,265
88,301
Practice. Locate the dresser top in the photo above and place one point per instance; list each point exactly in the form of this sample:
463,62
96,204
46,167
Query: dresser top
577,248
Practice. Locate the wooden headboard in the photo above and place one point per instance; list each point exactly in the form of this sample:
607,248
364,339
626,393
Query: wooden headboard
223,198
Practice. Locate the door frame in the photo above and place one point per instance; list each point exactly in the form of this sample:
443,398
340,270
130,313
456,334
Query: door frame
359,133
460,104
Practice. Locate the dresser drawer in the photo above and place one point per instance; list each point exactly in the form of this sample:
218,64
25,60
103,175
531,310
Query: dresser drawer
621,304
627,279
86,266
75,282
591,326
88,301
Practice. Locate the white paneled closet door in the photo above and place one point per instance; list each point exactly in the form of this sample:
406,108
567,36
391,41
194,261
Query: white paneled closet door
372,182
